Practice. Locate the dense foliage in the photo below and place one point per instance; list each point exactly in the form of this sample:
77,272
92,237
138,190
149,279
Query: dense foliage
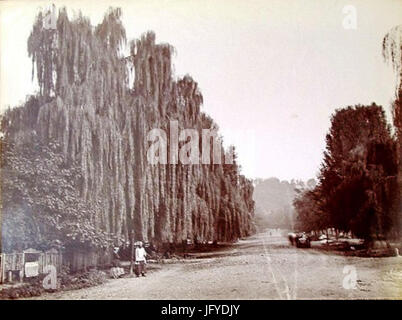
76,159
360,187
357,189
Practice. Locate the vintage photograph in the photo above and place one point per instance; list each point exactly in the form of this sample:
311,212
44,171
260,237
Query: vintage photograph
201,150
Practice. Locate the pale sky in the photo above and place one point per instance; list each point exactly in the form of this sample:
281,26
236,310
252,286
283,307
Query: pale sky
271,72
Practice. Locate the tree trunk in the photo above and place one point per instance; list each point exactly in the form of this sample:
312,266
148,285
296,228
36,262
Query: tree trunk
132,253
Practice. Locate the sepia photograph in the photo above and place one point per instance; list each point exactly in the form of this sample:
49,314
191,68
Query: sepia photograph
201,150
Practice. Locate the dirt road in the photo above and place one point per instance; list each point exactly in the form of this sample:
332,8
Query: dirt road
261,267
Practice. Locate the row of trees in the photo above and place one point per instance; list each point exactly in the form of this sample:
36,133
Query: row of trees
359,188
75,156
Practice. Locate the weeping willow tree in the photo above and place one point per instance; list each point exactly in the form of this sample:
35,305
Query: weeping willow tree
392,53
86,107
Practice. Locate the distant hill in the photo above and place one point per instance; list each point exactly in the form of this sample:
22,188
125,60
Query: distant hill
274,201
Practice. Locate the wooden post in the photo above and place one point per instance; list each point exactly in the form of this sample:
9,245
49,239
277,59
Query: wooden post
132,252
2,264
60,261
23,267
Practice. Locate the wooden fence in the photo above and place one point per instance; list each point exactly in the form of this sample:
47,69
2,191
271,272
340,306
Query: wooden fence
78,260
12,263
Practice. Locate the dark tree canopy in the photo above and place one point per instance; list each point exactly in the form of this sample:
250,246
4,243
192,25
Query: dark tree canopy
357,189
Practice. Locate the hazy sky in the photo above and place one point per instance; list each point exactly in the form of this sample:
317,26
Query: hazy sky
271,72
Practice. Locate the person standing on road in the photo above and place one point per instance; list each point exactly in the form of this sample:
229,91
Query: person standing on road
140,260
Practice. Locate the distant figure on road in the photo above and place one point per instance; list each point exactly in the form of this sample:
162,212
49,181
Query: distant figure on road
140,260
